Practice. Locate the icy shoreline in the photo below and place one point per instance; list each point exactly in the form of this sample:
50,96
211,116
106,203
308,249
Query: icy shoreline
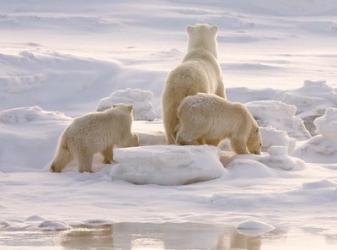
61,59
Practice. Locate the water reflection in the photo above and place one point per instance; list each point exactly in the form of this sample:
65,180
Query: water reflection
137,236
148,236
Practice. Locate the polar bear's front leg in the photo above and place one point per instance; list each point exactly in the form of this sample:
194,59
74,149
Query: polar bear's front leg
107,154
239,145
85,162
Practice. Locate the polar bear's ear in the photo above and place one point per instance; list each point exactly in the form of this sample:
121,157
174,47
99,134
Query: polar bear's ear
257,130
189,29
114,106
130,108
214,29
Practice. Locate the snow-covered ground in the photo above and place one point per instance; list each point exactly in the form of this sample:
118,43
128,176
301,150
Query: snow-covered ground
61,59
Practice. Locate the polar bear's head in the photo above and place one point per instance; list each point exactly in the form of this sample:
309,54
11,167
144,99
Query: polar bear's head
254,142
123,107
202,36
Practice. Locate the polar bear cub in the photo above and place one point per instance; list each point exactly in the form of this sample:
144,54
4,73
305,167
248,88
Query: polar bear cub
199,72
92,133
206,117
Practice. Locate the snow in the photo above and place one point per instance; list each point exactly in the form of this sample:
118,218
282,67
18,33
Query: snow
318,150
247,169
31,132
167,165
278,158
30,114
60,59
140,99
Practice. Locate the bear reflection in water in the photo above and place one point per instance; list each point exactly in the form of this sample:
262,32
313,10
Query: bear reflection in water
158,236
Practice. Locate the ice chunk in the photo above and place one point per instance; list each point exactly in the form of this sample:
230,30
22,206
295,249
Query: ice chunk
49,225
29,114
327,124
254,227
311,99
323,147
140,99
313,95
35,218
167,164
280,116
274,137
97,223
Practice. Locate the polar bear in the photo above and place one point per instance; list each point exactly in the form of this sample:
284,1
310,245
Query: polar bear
210,118
92,133
198,72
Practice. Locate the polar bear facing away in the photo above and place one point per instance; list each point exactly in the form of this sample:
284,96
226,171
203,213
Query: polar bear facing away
92,133
199,72
206,117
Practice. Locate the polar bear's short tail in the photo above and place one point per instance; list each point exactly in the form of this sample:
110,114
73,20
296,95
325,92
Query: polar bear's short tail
62,157
170,114
170,121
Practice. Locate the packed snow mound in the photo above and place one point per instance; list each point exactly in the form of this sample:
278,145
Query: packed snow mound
311,100
30,114
167,164
318,149
140,99
278,158
274,137
327,124
280,116
254,227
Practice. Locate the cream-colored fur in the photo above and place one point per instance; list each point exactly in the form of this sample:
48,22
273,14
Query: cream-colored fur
93,133
199,72
209,118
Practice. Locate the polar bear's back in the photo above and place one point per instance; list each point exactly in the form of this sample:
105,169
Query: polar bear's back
98,129
189,77
211,112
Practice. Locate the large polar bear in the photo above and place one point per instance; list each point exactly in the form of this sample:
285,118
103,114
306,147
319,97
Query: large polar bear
206,117
199,72
92,133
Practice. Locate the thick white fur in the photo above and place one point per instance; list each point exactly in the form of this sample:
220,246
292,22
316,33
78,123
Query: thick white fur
206,118
92,133
199,72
